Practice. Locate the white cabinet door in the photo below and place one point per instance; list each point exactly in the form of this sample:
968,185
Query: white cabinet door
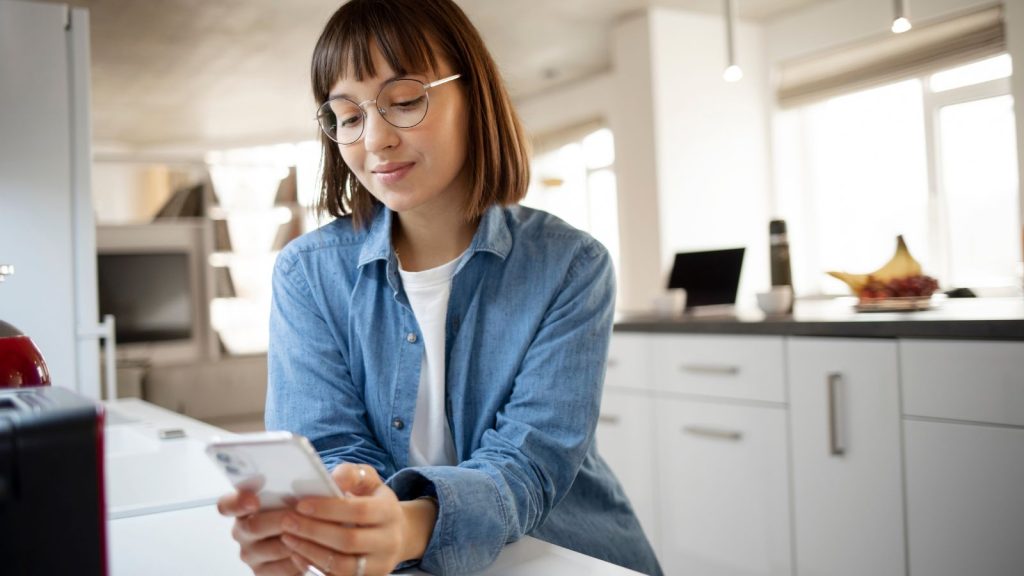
847,483
965,499
625,439
723,490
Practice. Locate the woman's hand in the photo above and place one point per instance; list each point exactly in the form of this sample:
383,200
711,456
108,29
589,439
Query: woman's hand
259,535
368,532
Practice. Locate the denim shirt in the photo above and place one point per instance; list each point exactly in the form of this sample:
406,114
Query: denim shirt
526,340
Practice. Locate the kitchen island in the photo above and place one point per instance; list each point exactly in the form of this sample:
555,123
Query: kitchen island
826,442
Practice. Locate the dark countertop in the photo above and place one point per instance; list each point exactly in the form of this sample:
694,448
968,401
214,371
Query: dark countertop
963,318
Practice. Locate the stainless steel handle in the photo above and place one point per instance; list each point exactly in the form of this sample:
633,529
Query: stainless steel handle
718,434
836,421
106,331
611,419
713,369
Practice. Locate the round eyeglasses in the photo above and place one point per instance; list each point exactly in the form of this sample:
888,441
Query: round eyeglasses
402,102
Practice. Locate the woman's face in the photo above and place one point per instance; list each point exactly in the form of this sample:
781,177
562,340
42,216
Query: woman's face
411,170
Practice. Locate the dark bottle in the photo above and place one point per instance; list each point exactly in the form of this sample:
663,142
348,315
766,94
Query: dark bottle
781,272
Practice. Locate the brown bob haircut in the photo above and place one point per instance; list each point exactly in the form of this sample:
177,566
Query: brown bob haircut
412,35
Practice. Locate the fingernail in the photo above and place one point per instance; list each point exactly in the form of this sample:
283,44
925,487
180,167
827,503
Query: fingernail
289,523
305,508
288,541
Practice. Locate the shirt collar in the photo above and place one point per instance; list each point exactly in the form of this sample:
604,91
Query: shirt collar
492,235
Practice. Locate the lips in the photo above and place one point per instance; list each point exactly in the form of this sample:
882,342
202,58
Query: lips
391,172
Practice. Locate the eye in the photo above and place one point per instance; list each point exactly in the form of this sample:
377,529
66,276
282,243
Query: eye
410,103
351,120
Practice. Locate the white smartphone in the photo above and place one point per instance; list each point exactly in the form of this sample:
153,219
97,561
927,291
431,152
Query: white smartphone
280,467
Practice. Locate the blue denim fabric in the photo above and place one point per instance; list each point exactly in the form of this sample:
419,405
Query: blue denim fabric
528,325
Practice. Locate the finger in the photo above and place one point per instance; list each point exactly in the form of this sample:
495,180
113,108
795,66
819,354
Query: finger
258,526
264,551
328,535
279,568
330,562
238,504
362,510
356,479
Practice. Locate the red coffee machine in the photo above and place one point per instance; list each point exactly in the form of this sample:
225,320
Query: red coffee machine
21,363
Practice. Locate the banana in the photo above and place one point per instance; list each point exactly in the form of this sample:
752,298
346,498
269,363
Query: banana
856,282
901,265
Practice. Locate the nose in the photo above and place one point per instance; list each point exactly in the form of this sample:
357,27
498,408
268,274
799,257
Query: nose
378,133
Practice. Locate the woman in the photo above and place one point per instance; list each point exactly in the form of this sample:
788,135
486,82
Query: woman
434,335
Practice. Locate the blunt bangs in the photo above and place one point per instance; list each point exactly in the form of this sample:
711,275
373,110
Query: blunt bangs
346,47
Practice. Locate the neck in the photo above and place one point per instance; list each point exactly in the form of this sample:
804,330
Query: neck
428,241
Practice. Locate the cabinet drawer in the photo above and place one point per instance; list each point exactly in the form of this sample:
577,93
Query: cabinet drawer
723,489
963,380
627,365
625,439
744,367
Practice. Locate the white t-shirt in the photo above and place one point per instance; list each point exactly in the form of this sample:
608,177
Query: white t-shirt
428,291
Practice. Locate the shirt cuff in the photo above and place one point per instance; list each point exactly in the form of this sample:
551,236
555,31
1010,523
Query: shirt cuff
471,523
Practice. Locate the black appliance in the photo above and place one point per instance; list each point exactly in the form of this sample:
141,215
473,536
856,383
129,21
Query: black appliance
52,518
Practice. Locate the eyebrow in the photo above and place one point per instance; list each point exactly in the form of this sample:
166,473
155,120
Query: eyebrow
333,95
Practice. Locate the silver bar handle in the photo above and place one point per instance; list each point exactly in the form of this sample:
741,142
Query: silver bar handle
836,423
711,369
716,433
106,331
610,419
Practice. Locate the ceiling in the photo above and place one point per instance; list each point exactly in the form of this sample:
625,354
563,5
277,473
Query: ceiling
221,73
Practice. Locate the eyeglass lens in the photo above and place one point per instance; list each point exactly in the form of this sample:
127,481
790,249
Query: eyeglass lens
403,103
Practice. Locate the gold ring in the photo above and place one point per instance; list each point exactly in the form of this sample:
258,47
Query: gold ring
360,566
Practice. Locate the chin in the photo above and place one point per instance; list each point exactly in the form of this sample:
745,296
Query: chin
398,201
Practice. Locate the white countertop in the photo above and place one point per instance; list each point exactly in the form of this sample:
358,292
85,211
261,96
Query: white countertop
162,518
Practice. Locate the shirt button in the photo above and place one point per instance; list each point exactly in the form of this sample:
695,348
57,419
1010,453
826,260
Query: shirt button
411,338
397,424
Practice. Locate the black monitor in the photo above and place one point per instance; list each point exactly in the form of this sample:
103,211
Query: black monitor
149,294
710,277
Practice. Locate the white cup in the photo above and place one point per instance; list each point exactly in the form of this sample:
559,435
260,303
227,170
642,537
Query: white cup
776,301
670,303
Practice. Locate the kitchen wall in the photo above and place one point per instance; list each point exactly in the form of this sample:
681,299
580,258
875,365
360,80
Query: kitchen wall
690,149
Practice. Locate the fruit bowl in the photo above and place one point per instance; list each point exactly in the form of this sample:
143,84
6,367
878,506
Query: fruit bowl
898,286
894,304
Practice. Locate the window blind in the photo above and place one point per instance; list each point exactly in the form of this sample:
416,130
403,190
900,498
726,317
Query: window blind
928,47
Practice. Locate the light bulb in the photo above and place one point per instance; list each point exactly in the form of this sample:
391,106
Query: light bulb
732,74
900,25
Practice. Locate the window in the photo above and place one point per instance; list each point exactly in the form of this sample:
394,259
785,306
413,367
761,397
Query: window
576,182
932,158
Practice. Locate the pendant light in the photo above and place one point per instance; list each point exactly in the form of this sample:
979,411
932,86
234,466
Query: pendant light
732,73
901,17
